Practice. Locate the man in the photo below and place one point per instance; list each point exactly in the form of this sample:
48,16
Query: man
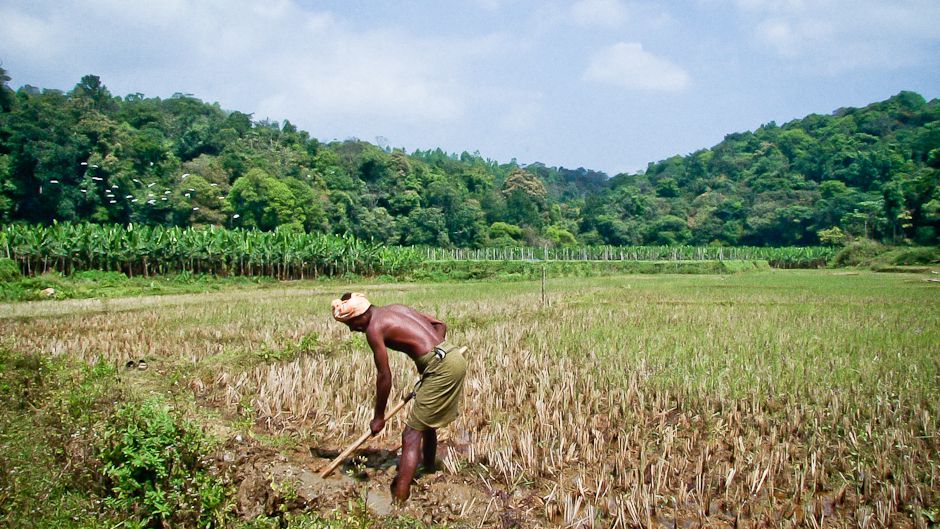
441,365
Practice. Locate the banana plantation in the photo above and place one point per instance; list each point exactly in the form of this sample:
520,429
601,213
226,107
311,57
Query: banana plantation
138,250
146,250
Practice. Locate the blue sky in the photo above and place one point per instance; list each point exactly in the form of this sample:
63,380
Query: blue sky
608,85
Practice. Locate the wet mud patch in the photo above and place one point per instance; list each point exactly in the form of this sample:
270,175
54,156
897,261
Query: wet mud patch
362,462
271,482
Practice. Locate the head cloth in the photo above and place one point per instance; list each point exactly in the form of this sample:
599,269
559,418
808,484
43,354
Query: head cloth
345,310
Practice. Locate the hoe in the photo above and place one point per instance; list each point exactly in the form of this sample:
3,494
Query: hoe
358,442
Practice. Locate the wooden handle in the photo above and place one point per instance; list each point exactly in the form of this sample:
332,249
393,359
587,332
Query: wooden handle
358,442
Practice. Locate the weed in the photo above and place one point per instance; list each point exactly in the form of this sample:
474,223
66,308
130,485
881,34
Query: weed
156,467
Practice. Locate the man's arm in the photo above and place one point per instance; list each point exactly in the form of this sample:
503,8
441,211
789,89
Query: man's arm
383,379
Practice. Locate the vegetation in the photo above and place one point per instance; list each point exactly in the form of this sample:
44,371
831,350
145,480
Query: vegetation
88,156
145,250
71,456
50,409
525,270
156,469
779,396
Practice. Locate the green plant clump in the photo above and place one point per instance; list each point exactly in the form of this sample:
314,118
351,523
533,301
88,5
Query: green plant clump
9,270
46,469
156,468
856,253
879,257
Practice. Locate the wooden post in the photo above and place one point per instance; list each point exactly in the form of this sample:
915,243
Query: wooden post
543,284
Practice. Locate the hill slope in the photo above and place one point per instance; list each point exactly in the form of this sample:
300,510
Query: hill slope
86,155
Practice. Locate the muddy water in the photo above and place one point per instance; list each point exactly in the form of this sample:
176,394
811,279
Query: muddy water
270,482
307,484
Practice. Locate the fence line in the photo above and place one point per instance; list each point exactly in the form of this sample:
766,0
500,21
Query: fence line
777,256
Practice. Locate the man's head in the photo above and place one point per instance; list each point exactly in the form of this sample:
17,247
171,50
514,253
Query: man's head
352,308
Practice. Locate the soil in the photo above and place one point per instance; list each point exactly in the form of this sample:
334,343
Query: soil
271,482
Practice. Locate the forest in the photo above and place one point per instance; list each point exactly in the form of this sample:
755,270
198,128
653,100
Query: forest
89,156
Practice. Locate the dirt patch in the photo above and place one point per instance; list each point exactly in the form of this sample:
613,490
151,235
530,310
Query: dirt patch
270,482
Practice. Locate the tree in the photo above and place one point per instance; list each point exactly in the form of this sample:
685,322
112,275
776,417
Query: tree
6,94
503,234
669,230
832,236
560,237
426,226
93,94
263,202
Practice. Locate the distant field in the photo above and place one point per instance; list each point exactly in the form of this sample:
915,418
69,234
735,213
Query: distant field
682,400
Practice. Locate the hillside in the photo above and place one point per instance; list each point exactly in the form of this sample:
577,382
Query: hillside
87,155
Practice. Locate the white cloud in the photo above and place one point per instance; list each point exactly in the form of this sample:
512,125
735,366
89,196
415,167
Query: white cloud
793,38
607,13
278,57
842,35
24,32
626,64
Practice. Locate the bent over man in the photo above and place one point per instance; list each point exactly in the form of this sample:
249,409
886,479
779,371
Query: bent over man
441,365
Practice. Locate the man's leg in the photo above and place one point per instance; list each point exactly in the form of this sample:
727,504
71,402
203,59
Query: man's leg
408,464
429,449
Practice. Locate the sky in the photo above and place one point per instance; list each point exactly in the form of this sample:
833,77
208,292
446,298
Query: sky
608,85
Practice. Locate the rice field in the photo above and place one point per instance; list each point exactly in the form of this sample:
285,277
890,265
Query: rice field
765,399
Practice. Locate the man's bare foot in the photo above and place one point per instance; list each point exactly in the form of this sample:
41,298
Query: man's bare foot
425,469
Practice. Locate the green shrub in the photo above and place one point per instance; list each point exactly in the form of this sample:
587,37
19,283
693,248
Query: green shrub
155,467
915,256
47,468
100,276
857,252
9,270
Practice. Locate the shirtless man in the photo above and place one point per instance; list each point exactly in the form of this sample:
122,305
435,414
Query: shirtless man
441,365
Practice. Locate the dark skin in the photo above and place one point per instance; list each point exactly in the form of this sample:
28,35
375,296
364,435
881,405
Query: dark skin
411,332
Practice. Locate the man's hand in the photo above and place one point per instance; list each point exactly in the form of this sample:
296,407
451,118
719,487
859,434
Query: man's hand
376,426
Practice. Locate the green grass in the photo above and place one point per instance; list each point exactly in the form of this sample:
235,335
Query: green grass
49,411
97,284
100,284
770,368
78,451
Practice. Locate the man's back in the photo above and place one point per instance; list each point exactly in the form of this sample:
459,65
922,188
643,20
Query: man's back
407,330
